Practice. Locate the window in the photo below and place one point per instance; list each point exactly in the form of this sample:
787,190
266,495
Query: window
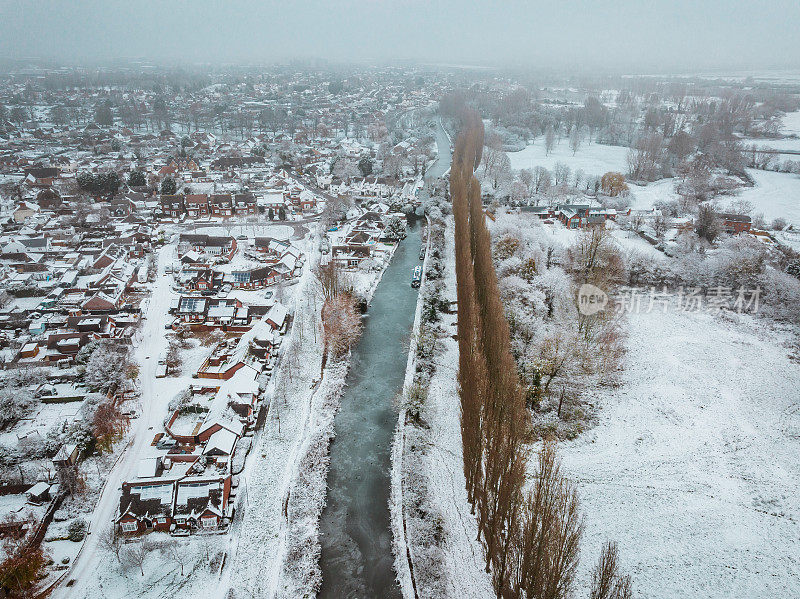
208,521
129,527
181,521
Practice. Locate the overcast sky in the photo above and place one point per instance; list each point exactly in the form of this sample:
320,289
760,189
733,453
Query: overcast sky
637,35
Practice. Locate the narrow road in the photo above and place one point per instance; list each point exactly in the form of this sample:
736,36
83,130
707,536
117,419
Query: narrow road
154,399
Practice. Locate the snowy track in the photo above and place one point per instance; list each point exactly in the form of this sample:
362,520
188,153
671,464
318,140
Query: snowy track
257,547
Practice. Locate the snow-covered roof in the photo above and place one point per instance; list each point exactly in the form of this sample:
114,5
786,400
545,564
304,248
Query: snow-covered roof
39,488
277,314
148,467
223,441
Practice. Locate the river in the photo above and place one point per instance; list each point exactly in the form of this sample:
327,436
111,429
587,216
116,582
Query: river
356,537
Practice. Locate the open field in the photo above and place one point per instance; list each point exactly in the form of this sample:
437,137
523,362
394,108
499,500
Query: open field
693,466
594,159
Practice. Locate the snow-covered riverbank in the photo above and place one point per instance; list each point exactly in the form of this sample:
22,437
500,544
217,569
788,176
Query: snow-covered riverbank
428,473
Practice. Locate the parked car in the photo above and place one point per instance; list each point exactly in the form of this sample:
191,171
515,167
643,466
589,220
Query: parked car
161,368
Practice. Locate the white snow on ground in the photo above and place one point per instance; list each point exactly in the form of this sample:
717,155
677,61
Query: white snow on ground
630,241
791,126
643,197
693,468
788,143
464,561
464,555
774,194
593,158
791,123
276,231
790,238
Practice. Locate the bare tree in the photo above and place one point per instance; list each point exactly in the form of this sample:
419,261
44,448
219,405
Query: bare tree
547,541
541,179
110,541
607,582
645,157
135,554
176,553
561,173
575,139
549,139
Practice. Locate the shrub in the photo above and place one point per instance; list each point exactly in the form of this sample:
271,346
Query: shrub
76,530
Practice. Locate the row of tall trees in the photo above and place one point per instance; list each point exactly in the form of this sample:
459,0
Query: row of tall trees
531,539
531,535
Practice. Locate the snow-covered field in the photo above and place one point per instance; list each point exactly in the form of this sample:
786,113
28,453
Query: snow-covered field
643,197
787,143
791,123
774,194
629,241
693,466
791,126
592,158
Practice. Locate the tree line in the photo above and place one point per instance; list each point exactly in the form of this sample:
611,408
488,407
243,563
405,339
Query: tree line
531,536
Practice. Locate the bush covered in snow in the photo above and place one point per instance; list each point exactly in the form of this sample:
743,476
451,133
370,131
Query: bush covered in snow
424,523
559,352
105,367
15,403
77,530
735,263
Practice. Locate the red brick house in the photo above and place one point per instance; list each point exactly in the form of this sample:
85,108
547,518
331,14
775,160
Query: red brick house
146,505
201,503
197,205
245,204
172,206
734,224
192,309
41,177
221,205
167,505
253,279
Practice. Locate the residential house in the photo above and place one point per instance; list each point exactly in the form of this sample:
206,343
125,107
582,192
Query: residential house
197,205
172,206
734,224
221,205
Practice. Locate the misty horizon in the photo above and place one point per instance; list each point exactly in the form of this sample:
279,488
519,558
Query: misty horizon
674,37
